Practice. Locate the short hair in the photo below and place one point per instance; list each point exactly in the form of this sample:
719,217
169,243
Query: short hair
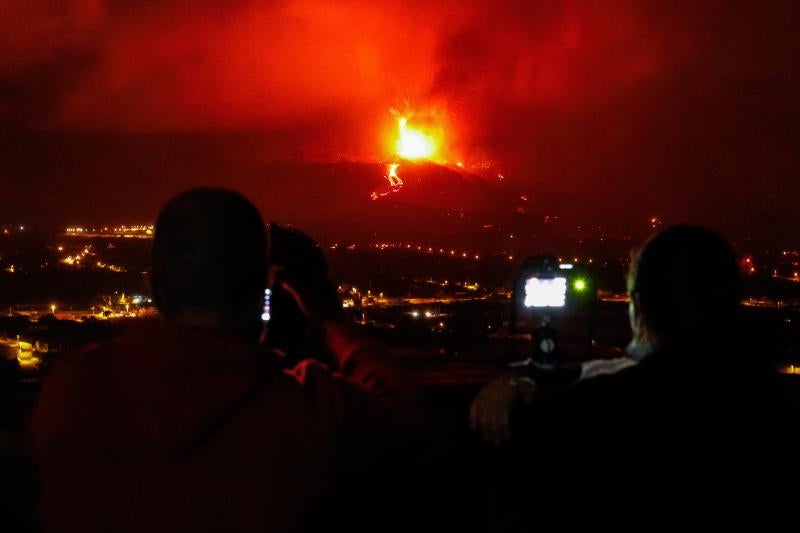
209,252
687,281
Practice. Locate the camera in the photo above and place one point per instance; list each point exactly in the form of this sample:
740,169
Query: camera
543,285
546,290
293,254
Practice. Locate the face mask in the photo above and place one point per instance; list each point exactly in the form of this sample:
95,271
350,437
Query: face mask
638,349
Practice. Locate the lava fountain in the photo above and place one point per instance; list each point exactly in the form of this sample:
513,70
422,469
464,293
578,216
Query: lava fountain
414,143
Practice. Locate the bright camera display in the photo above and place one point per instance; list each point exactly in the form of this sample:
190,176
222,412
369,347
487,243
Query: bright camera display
550,292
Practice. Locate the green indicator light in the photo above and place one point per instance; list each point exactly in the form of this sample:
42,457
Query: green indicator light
579,284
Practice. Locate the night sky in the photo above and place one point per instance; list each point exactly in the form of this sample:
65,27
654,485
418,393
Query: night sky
615,110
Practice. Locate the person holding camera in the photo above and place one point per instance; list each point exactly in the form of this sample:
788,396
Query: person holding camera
189,423
689,430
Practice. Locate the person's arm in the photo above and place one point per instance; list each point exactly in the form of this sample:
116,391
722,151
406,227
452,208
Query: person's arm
382,429
490,412
363,362
366,363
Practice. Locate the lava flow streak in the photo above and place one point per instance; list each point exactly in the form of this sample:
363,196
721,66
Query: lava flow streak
391,174
395,181
412,143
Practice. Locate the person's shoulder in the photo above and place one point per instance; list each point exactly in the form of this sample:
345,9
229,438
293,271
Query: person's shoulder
71,386
605,367
90,356
599,383
82,375
79,357
73,367
594,399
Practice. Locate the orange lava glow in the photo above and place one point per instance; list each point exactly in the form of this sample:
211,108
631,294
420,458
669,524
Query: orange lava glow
395,182
391,174
414,142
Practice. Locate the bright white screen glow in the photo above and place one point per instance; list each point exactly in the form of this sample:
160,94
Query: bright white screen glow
545,292
265,314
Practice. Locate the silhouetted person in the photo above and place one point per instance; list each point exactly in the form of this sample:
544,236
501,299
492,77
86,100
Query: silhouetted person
690,435
188,424
290,333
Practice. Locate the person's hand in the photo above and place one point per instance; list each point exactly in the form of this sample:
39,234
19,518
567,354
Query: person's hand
315,296
490,411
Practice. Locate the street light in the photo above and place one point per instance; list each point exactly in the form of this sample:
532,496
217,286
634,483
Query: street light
53,308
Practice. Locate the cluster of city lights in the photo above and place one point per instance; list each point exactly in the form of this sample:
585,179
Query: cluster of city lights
445,251
432,316
79,260
764,302
426,314
749,266
790,369
112,268
794,265
353,297
425,249
468,285
12,228
143,231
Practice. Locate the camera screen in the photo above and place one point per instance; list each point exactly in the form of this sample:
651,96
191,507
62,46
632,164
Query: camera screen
265,312
550,292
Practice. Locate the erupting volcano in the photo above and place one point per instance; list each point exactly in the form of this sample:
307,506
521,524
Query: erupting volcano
413,143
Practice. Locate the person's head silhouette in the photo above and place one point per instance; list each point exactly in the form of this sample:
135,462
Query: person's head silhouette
685,289
297,258
210,261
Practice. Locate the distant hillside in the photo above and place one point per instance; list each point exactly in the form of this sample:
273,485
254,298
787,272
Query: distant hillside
350,200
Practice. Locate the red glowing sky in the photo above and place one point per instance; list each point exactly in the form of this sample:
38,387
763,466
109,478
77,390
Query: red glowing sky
613,106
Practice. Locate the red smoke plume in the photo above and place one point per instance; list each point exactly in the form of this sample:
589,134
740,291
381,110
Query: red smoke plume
612,99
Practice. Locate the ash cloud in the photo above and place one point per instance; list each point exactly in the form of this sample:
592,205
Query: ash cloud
628,108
